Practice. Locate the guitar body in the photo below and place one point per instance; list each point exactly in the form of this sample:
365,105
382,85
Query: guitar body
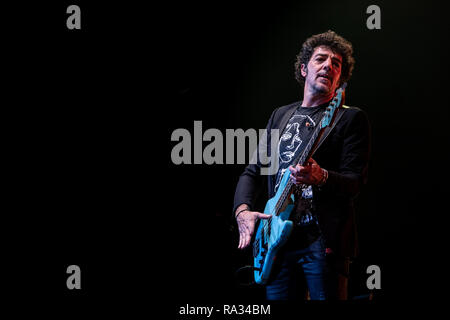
271,235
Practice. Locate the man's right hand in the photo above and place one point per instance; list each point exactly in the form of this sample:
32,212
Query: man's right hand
246,222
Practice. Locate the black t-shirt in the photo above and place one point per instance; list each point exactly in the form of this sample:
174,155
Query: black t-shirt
292,143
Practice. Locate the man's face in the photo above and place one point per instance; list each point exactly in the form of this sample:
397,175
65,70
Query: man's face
323,72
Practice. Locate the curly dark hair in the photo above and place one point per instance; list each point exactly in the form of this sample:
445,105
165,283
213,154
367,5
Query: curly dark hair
333,41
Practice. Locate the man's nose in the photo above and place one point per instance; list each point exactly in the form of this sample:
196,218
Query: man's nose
328,64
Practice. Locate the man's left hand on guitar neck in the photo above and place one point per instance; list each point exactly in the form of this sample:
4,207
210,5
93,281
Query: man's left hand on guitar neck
310,174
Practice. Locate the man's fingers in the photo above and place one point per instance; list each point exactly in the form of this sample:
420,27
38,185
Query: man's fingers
297,169
243,236
264,216
246,227
305,170
247,239
300,170
241,239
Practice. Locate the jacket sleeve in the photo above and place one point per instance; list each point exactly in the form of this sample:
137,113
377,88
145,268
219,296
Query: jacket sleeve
251,182
354,158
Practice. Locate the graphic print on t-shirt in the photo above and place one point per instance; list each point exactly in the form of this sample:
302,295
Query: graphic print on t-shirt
291,140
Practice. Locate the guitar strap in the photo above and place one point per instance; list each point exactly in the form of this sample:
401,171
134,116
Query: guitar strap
339,113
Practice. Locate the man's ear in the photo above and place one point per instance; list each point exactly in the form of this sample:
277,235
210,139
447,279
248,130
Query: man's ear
303,70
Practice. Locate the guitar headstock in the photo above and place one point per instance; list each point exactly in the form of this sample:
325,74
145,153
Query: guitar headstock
334,104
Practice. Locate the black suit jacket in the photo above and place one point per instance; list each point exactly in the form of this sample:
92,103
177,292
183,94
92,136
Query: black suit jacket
345,154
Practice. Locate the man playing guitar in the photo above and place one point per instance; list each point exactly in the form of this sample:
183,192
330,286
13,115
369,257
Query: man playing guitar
323,216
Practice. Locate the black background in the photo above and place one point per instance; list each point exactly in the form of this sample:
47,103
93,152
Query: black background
88,118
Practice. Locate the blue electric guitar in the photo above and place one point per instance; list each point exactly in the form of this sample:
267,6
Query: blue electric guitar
273,233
